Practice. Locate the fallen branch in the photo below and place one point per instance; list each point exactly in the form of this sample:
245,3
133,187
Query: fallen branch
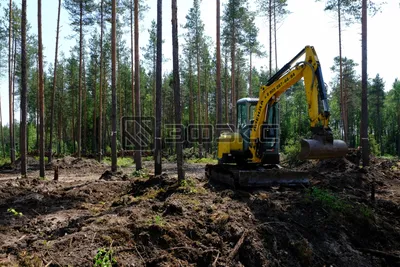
215,261
237,246
381,254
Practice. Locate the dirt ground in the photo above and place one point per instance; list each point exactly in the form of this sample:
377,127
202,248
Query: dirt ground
143,220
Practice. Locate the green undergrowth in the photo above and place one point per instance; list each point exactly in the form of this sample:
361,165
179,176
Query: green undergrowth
203,160
332,202
121,161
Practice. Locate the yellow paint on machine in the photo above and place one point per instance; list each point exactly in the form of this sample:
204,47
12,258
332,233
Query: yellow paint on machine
228,142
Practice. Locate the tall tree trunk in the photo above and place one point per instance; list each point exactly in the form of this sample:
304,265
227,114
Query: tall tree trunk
60,121
251,73
94,140
73,119
206,119
1,132
10,87
41,92
100,132
270,37
138,153
177,90
219,92
54,85
233,80
343,103
226,87
132,60
24,89
85,109
191,93
80,78
157,154
276,43
199,95
114,87
364,85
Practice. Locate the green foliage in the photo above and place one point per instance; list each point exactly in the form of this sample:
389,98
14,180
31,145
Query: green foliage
157,220
104,258
291,152
14,212
143,173
203,160
328,200
373,145
121,162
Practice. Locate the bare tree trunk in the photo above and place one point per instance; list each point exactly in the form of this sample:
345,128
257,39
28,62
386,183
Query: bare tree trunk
100,132
233,80
191,93
24,89
364,85
1,132
73,120
54,85
250,75
226,87
219,92
41,92
199,96
177,90
132,61
94,140
343,104
114,87
157,154
10,87
80,78
138,153
85,111
276,43
270,37
60,122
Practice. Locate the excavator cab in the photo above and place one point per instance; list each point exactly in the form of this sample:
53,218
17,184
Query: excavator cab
269,141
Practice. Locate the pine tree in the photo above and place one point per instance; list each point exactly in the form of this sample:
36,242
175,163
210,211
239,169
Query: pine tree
24,89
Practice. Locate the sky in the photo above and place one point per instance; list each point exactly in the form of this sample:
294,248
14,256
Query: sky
308,24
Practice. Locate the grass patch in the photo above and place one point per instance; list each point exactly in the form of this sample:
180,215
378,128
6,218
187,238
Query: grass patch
148,158
332,202
189,186
203,160
121,162
4,161
157,220
328,200
143,173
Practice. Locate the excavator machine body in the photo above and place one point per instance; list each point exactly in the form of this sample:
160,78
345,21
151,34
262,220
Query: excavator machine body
249,156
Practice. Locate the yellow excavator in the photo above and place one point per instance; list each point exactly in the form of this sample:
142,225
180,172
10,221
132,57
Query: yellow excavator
249,157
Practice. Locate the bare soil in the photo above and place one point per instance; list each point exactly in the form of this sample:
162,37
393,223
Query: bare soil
154,221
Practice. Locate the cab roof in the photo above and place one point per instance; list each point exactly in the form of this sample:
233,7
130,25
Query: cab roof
251,100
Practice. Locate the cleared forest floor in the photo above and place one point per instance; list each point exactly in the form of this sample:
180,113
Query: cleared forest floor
153,221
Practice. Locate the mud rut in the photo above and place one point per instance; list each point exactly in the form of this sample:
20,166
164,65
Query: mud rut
153,221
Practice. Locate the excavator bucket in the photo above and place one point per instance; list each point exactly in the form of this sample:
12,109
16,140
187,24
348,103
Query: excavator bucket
317,149
260,176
